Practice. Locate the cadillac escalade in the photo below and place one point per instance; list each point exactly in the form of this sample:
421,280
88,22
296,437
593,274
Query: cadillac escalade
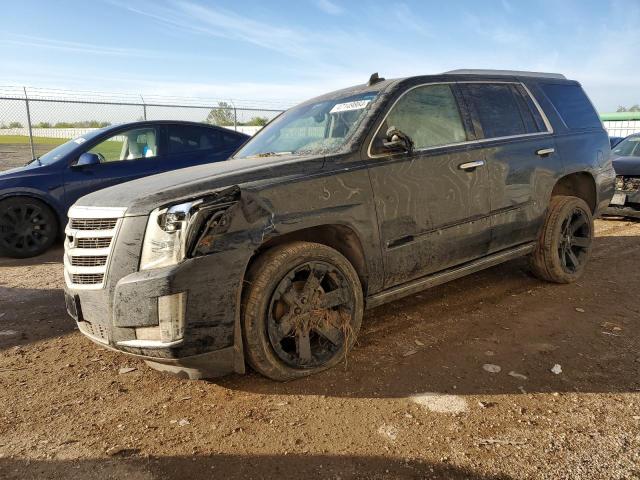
345,202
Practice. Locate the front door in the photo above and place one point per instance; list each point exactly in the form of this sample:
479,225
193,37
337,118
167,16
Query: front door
433,203
125,156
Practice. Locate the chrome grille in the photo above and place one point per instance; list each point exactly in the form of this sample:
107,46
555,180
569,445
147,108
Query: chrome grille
93,242
95,261
88,245
93,223
87,278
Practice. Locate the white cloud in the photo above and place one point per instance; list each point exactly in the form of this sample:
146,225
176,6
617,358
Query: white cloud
93,49
49,43
406,18
212,21
327,6
507,6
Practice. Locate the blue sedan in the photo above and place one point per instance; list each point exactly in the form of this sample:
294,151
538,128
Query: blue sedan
34,199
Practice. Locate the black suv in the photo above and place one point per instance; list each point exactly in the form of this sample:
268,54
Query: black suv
342,203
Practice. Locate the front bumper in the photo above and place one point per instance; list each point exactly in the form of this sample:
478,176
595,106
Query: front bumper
630,208
211,344
622,211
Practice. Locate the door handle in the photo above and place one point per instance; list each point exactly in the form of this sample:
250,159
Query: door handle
544,152
471,165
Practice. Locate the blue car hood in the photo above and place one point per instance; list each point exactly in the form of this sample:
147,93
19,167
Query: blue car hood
629,166
20,171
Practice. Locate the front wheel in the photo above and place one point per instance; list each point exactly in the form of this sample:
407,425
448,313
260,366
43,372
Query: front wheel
565,241
302,310
28,227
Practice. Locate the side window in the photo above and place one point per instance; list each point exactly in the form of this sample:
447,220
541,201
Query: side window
497,109
573,105
429,115
529,106
186,138
231,141
129,145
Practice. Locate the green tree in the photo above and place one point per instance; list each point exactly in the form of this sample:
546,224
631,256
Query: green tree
257,122
221,115
43,125
15,125
633,108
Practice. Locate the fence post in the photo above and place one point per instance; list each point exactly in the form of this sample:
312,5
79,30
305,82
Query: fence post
235,116
26,102
144,108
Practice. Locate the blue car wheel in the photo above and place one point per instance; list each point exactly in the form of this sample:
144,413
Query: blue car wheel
28,227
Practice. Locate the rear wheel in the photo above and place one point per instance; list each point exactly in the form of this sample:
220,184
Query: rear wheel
565,242
28,227
302,310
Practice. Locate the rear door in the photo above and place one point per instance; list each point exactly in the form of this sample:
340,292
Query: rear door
519,150
124,156
432,204
193,145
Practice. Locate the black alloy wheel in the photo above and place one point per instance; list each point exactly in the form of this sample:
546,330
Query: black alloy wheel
302,308
28,227
575,240
309,315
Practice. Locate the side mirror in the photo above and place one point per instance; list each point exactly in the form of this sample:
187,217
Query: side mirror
87,158
397,141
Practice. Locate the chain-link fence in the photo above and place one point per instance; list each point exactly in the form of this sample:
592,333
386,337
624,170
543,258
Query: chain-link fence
35,120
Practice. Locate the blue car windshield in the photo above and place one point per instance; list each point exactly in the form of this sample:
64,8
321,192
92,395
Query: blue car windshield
312,128
629,147
57,153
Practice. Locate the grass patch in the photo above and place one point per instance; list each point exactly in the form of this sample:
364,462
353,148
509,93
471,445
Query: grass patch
24,140
111,149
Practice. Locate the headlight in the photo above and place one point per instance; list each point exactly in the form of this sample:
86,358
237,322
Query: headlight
173,230
165,240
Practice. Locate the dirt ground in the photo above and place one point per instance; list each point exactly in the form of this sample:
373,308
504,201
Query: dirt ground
413,401
14,155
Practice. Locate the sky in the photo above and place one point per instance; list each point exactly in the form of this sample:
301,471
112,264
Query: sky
287,51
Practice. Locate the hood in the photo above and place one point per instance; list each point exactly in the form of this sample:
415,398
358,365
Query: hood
627,166
19,171
142,196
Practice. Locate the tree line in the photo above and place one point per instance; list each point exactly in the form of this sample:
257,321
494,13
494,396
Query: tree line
633,108
223,116
82,124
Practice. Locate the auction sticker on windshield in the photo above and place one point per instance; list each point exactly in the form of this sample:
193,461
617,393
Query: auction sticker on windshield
345,107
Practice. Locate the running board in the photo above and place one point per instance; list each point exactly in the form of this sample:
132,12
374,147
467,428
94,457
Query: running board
423,283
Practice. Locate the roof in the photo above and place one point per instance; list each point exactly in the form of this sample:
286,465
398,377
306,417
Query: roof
511,73
143,123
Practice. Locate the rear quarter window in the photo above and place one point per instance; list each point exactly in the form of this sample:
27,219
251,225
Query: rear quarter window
572,104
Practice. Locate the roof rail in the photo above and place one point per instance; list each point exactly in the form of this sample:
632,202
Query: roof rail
513,73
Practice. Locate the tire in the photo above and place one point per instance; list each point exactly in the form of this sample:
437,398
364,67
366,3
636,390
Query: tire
301,311
565,242
28,227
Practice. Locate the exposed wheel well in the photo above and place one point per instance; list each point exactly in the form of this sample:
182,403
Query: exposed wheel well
581,185
341,238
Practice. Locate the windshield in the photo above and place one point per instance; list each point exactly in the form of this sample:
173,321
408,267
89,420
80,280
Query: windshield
315,128
66,148
629,147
